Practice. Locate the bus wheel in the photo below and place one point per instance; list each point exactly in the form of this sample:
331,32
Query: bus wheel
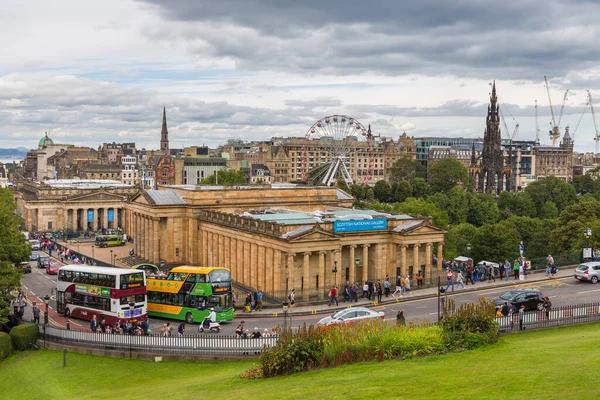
189,318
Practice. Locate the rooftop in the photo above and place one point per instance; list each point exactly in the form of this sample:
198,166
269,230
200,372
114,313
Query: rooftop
84,184
294,217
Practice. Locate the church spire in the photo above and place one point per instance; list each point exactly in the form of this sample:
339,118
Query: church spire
473,155
164,134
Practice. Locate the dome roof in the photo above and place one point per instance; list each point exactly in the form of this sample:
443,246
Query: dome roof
45,141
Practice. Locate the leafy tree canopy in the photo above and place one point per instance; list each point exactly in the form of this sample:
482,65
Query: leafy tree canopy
550,189
447,173
421,207
226,177
406,168
483,210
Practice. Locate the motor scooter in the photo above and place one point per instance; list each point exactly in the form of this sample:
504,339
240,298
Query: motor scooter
212,326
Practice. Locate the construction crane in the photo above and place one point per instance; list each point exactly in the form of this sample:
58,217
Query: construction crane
562,107
537,125
554,132
587,105
597,137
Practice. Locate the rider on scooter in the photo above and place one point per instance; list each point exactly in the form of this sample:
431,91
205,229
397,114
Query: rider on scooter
212,318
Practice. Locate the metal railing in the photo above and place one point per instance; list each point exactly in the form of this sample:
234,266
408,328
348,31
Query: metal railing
183,345
556,316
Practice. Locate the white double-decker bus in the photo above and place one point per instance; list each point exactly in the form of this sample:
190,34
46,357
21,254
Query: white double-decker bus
84,291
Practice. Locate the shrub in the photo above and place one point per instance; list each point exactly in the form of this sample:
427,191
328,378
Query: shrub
5,345
256,372
471,325
23,335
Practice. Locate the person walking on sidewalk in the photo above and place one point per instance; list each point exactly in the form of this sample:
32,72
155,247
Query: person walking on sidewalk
36,313
259,300
450,276
365,290
491,274
398,287
508,268
470,276
459,279
292,298
407,284
516,270
501,269
419,279
333,296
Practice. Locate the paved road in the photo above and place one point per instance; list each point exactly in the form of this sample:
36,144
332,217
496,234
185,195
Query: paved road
563,291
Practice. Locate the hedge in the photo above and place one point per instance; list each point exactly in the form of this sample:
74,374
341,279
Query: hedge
5,345
23,335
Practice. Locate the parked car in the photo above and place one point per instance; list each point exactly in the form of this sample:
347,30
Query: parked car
25,267
351,315
589,271
34,256
530,298
35,244
43,261
52,269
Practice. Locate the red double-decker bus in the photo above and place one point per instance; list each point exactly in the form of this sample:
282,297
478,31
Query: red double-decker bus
84,291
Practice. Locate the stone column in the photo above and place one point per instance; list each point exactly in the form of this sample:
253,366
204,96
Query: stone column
365,260
322,274
204,250
440,255
105,218
240,267
234,258
148,238
210,248
261,268
290,265
277,286
269,272
428,256
416,265
95,222
156,250
306,276
378,266
353,268
403,262
337,262
247,265
253,265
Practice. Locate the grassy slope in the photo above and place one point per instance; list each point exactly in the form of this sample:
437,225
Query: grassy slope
551,364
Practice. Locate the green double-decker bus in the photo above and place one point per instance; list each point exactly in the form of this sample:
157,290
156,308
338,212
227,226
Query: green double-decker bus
188,293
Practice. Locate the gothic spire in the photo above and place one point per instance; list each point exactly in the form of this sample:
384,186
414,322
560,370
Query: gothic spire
473,155
164,133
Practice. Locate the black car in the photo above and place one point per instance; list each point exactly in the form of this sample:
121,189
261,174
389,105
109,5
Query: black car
531,299
43,261
25,267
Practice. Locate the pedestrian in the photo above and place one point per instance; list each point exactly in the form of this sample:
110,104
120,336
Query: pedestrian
259,300
549,264
379,291
256,334
419,279
450,277
491,272
505,310
22,304
386,287
94,324
521,317
398,287
459,279
475,274
507,267
181,329
333,296
370,289
400,319
103,325
365,290
470,276
553,271
36,313
501,269
292,298
354,293
346,292
547,305
407,284
516,270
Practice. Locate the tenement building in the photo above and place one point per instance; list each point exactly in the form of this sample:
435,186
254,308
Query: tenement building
279,238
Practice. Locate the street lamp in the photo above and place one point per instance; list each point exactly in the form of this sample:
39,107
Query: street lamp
131,310
93,252
334,270
46,301
357,264
285,312
469,250
111,259
439,296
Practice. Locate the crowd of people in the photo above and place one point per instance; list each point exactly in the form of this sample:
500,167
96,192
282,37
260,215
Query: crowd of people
137,328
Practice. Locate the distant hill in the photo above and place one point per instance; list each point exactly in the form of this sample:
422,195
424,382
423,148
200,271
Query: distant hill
20,152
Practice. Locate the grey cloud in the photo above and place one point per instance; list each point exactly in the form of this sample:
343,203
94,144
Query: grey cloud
470,38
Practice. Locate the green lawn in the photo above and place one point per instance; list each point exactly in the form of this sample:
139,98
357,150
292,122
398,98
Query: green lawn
551,364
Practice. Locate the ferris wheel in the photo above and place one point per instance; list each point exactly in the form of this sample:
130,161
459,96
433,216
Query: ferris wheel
337,147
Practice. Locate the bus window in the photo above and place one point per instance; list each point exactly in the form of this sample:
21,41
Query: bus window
219,275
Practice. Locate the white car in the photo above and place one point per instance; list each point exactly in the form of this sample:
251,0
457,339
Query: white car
350,315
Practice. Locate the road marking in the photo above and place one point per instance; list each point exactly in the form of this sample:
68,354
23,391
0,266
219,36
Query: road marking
421,307
432,313
589,291
32,293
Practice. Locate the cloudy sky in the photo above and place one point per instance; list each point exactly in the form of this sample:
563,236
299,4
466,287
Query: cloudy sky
95,71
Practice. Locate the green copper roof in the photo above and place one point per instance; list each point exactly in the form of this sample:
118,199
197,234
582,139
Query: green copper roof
45,141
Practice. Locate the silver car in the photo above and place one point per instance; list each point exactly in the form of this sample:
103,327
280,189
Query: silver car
350,315
589,271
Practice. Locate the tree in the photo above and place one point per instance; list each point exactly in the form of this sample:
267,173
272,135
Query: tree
369,194
516,204
13,250
456,240
383,191
550,189
549,210
357,191
458,205
483,210
493,244
585,184
403,191
342,185
421,207
568,234
226,177
420,188
406,168
447,173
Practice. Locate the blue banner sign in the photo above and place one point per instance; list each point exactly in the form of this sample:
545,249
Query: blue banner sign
111,215
90,216
358,225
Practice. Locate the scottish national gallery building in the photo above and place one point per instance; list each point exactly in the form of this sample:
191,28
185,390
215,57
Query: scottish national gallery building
279,238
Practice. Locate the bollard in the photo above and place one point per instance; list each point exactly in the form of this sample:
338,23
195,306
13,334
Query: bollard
64,358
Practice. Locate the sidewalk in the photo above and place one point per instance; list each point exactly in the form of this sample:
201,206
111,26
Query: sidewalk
431,292
88,249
